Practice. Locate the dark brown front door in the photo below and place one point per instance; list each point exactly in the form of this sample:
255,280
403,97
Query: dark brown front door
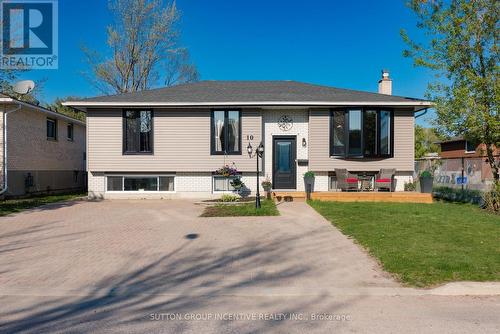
284,168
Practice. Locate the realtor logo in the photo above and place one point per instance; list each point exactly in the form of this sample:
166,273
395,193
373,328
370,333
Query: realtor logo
29,34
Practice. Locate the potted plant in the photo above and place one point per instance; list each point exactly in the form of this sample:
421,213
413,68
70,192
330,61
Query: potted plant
267,185
309,181
426,179
237,184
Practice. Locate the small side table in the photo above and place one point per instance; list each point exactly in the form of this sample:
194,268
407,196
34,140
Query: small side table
366,182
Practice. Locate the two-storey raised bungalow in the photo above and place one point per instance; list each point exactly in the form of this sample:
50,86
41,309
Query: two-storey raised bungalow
42,151
168,142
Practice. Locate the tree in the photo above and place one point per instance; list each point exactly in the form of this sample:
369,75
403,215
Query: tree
425,141
144,45
68,111
464,53
7,81
178,69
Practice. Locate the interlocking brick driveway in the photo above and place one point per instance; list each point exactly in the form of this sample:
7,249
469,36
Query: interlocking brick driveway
102,266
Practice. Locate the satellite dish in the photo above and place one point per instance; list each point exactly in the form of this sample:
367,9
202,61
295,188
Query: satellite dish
23,87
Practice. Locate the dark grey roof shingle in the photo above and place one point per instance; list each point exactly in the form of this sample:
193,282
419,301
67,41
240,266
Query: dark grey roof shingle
250,91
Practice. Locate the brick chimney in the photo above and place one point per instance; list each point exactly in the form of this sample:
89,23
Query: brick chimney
385,84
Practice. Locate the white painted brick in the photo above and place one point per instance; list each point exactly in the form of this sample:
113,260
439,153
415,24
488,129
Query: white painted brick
96,184
401,178
321,181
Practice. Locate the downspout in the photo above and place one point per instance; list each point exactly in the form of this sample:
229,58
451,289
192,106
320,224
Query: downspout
5,178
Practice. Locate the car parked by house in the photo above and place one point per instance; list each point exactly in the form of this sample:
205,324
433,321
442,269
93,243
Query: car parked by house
42,151
168,142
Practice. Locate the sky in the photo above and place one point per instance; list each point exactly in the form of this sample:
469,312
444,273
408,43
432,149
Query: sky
336,43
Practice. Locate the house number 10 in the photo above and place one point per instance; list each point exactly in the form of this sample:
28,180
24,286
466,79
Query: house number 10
249,137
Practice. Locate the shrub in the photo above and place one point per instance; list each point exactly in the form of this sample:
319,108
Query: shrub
229,198
411,186
492,199
458,195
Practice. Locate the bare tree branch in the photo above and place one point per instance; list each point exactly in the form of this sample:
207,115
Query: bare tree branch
144,43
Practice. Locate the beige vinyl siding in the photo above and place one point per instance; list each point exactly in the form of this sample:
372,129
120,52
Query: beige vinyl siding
319,146
181,142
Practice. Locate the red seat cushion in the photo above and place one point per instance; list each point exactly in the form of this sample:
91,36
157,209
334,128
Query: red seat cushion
383,180
351,180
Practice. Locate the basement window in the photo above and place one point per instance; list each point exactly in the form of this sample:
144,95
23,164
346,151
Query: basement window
140,183
223,184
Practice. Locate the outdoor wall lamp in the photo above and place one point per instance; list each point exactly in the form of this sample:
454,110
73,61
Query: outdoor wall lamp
304,143
249,149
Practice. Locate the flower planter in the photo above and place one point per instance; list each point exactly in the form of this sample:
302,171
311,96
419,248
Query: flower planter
309,184
426,184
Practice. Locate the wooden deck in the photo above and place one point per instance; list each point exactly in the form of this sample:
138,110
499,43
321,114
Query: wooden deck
398,197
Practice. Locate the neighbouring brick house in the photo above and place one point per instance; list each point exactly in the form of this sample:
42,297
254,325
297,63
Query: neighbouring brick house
461,164
41,150
459,147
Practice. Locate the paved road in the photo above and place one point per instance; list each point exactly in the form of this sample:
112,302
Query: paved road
155,266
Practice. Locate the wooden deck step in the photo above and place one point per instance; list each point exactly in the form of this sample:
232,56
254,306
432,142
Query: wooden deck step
398,197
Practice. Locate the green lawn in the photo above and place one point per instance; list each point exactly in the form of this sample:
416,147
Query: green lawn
423,244
18,205
268,208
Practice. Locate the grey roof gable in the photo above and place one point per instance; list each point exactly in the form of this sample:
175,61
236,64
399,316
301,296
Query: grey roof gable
247,92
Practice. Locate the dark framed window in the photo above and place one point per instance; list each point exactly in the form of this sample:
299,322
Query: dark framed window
362,133
137,132
51,129
225,132
470,147
69,129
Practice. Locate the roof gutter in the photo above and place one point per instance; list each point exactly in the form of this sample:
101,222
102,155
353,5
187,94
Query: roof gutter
4,160
83,105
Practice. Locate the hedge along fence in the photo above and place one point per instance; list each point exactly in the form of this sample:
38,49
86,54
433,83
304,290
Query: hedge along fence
459,195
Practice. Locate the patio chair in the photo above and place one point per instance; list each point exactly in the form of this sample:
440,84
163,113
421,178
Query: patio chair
383,180
345,180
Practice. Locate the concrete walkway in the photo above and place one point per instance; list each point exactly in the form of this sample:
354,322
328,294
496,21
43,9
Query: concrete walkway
155,266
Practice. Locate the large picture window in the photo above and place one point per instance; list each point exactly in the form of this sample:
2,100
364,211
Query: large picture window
361,132
226,132
164,183
137,131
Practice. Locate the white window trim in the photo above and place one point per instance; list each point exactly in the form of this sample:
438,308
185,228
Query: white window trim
468,152
138,191
223,191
